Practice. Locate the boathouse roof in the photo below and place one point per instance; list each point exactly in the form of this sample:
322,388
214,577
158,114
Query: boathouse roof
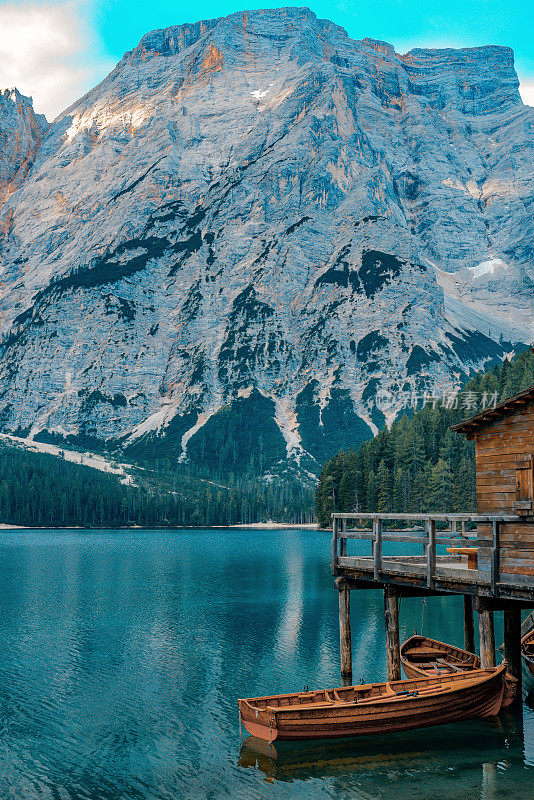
511,405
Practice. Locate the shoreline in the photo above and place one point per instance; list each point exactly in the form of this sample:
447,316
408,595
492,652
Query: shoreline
258,526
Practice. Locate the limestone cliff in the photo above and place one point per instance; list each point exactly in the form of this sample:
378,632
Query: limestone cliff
258,212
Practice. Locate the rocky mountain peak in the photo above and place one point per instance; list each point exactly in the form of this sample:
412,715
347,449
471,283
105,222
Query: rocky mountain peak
478,80
21,132
257,216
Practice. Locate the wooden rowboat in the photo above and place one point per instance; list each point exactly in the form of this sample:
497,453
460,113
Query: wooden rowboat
422,656
375,707
527,650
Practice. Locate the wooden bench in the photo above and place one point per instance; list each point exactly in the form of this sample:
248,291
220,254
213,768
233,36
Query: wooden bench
470,552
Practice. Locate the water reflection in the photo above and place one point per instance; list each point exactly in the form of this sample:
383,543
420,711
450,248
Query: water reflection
288,634
483,749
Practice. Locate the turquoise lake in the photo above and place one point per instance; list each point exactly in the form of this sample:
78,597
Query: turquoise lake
122,655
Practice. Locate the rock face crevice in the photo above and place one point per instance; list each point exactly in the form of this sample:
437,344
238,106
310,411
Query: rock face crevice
259,206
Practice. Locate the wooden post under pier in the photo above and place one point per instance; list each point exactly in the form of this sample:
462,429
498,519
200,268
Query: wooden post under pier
486,634
469,625
345,644
512,645
391,609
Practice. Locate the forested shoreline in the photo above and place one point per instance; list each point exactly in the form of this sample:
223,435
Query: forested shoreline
40,490
419,465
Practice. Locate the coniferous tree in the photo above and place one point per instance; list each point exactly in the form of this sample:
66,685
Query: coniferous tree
384,488
440,488
372,492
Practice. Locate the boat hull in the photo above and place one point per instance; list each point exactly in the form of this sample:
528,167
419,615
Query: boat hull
527,651
416,660
421,703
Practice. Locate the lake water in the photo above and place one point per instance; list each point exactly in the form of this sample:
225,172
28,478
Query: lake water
122,655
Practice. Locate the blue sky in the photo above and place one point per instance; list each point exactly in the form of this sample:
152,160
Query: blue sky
57,49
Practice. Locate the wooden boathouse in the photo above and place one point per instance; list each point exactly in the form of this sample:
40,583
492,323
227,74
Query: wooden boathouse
487,557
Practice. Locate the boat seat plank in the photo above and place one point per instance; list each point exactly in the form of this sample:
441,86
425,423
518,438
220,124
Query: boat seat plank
449,665
424,652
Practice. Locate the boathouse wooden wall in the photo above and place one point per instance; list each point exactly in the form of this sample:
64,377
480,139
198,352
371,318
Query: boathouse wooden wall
504,450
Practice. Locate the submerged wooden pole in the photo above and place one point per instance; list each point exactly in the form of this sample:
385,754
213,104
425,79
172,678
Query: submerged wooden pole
469,624
512,645
486,633
391,609
345,644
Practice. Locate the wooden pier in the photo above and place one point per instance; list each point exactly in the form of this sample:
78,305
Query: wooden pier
487,557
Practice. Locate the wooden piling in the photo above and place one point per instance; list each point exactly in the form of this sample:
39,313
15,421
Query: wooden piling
512,645
345,644
391,609
469,625
486,633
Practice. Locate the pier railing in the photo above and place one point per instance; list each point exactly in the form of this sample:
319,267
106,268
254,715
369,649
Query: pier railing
432,531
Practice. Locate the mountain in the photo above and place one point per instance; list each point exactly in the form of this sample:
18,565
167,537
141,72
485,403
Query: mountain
251,225
21,133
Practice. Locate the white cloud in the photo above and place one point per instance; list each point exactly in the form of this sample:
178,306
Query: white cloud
44,52
526,90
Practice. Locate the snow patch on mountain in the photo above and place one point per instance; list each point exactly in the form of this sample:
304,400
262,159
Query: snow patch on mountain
488,267
478,297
